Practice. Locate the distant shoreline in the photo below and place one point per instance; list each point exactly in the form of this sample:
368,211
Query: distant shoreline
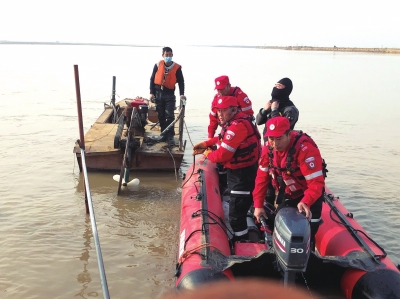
291,48
70,44
335,49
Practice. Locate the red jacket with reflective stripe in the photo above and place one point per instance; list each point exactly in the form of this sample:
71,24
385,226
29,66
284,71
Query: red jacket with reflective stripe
240,145
243,102
307,159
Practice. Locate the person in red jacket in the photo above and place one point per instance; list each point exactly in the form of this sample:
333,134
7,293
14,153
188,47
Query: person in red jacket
238,151
224,88
293,162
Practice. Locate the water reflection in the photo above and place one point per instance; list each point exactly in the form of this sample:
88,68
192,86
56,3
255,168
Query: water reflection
84,277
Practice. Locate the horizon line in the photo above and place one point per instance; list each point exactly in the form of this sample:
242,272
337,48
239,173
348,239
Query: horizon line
201,45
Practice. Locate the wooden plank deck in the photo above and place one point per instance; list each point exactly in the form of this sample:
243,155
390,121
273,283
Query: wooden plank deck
99,142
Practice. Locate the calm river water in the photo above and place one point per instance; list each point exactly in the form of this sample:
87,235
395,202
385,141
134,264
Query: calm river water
349,103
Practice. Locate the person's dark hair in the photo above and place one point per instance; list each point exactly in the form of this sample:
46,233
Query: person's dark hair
287,132
166,49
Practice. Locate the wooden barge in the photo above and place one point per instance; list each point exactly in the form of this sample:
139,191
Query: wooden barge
106,140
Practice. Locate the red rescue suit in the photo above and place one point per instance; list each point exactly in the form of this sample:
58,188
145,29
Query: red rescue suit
239,145
244,104
166,79
304,177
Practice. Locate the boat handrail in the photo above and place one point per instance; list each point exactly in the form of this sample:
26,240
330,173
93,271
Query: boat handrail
376,257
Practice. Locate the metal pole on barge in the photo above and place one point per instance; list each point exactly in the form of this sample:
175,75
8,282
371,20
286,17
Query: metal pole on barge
103,278
113,93
81,134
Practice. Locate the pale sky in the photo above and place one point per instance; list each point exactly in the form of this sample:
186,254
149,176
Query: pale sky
344,23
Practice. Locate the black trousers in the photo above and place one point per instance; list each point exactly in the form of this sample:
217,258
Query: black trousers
241,184
165,107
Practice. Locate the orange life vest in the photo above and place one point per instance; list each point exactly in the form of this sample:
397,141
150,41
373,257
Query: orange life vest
166,78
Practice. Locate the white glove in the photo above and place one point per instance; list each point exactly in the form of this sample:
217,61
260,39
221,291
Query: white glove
183,98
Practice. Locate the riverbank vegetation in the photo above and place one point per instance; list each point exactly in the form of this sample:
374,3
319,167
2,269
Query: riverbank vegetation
335,49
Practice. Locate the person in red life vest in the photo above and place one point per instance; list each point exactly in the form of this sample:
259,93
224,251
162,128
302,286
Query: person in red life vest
238,151
224,88
279,105
165,75
293,162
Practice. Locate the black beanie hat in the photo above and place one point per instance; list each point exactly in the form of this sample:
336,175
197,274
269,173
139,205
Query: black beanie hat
282,94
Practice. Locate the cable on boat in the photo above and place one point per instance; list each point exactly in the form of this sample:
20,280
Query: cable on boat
355,231
188,252
220,223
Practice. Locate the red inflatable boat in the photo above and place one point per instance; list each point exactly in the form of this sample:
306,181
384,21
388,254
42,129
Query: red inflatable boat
206,254
202,230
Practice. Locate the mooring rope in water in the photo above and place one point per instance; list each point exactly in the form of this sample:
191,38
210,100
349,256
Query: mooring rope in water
173,160
187,131
94,227
187,180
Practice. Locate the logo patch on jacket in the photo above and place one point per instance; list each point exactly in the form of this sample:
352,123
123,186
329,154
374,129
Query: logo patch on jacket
310,162
229,134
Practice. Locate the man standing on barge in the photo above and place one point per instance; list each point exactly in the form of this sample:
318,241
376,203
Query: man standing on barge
165,75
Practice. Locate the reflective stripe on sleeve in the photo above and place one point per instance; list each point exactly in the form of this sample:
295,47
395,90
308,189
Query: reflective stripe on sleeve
229,148
265,169
313,175
247,108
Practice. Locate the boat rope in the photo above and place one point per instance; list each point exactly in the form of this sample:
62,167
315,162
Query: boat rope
187,253
355,231
173,160
184,183
187,131
194,157
194,250
220,222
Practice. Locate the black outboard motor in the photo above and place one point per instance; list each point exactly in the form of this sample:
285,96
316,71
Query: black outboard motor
143,109
291,242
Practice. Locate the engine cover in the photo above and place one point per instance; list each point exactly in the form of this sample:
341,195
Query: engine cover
291,239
